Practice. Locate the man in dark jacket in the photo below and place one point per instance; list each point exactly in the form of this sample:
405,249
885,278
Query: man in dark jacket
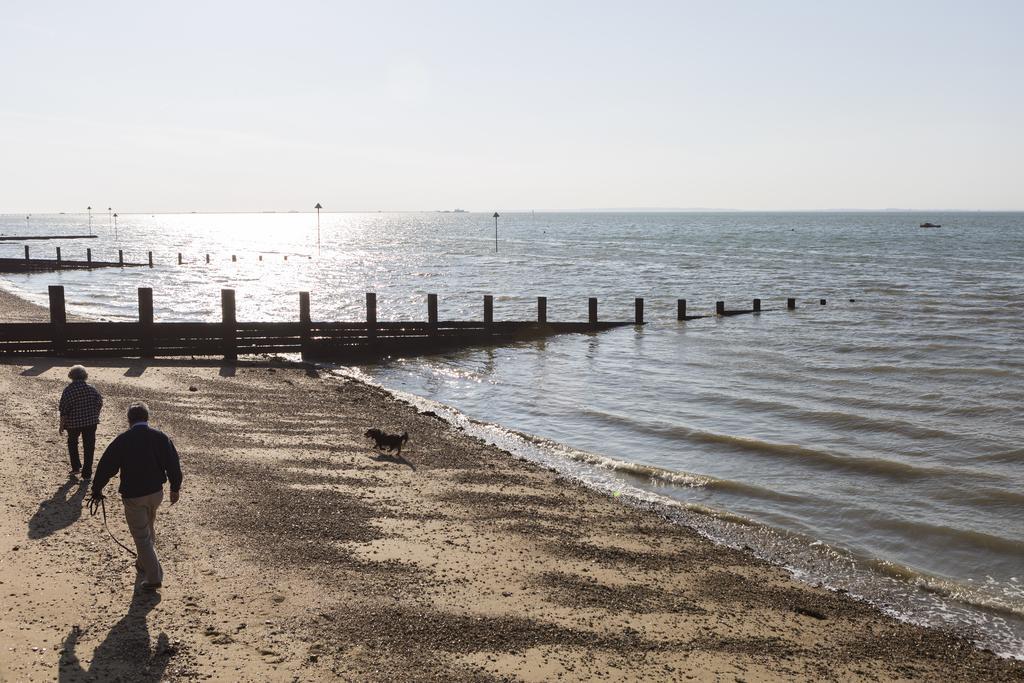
146,458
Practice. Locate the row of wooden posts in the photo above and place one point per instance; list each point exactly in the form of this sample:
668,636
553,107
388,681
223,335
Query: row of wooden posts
345,341
541,301
58,311
229,337
121,261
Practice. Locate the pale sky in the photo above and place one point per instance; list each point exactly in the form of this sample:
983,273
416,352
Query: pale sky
235,106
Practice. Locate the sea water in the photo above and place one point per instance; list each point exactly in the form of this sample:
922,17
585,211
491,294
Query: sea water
873,443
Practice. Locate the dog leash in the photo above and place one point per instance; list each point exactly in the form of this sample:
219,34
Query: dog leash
99,503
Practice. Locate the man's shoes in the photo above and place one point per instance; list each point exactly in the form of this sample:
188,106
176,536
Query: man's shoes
146,586
87,477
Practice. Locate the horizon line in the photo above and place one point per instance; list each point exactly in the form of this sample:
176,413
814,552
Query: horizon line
99,214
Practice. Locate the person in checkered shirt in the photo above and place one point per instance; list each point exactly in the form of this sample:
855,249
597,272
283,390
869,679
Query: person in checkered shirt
80,407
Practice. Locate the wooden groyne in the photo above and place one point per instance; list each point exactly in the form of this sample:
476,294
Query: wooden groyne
231,338
30,265
22,238
336,341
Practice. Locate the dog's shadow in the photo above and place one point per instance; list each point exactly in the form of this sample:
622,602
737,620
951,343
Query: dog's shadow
395,458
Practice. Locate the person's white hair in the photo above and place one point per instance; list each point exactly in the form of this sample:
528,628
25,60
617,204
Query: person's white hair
78,372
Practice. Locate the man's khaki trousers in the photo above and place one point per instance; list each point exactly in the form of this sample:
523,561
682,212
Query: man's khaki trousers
141,515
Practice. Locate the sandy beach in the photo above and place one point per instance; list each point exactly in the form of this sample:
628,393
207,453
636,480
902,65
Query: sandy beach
297,553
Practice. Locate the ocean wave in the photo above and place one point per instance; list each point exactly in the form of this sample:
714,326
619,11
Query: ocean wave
654,473
801,454
837,419
984,497
979,540
1008,604
969,372
1011,457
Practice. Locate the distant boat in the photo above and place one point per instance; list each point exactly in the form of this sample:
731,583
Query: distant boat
930,225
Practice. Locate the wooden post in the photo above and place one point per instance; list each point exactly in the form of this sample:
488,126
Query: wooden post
680,309
757,305
120,257
229,322
234,258
720,308
638,310
58,314
58,257
822,302
488,309
306,321
179,258
432,312
371,315
151,259
207,258
88,256
58,319
286,257
592,310
261,257
542,309
26,252
146,339
791,304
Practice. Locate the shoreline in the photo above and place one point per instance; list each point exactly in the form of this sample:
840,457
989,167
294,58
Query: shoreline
15,309
900,592
400,567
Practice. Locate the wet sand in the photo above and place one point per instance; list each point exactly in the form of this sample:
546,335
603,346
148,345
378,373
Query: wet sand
297,552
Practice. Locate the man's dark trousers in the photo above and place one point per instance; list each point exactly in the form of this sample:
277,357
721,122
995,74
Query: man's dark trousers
88,445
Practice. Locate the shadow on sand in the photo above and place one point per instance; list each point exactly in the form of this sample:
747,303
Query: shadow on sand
59,511
135,367
126,654
395,458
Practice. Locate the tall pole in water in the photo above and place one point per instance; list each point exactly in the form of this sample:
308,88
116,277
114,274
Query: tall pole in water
115,227
496,217
318,207
89,209
110,218
26,221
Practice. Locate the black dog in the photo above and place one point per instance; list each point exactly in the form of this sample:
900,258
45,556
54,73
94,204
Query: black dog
393,442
